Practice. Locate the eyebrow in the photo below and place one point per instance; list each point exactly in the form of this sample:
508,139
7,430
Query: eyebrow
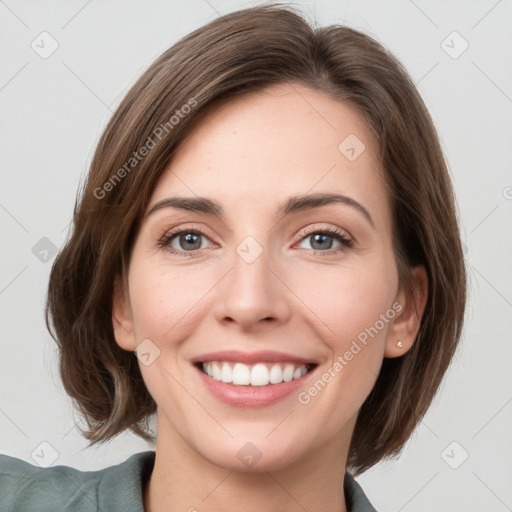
293,204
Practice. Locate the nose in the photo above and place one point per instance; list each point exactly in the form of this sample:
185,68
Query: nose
252,294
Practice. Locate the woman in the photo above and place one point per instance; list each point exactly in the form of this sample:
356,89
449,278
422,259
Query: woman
195,284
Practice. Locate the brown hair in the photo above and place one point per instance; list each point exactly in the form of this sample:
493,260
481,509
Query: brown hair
241,52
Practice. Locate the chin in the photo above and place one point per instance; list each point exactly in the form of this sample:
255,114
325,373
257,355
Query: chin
258,455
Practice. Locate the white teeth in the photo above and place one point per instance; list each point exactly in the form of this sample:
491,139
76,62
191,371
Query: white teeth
226,374
288,372
260,374
215,370
241,375
276,374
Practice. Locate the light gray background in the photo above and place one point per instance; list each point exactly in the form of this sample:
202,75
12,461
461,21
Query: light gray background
53,111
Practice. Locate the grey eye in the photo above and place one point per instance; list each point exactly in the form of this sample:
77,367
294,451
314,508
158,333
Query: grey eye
320,241
187,241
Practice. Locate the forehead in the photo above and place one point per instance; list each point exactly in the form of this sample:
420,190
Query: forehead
279,141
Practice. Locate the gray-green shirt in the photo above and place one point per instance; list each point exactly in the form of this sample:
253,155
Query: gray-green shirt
28,488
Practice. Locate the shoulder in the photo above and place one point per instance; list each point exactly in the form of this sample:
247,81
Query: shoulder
26,487
355,497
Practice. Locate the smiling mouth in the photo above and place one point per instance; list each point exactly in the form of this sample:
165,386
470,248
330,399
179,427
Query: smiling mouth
259,374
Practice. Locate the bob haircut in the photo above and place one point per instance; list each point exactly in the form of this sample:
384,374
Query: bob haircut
240,52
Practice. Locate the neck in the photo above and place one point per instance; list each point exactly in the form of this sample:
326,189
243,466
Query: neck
183,480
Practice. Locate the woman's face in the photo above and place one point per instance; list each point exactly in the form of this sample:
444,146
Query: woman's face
245,283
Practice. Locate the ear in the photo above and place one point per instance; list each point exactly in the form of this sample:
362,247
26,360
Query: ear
122,318
405,326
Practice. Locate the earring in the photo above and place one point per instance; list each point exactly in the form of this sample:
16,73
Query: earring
399,344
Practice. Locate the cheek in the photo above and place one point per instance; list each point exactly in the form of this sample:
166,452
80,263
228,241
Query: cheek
347,302
350,309
345,307
165,301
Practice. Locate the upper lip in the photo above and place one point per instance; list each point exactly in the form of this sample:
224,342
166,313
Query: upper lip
261,356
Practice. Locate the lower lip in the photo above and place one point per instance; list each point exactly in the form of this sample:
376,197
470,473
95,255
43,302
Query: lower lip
252,396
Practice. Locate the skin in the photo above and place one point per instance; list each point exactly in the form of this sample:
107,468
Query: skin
250,155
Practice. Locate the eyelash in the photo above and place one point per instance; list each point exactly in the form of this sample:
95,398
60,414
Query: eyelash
340,236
